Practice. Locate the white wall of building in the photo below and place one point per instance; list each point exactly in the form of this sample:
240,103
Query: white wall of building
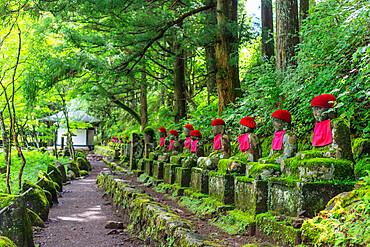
79,140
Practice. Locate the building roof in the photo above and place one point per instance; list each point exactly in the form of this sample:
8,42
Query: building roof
78,116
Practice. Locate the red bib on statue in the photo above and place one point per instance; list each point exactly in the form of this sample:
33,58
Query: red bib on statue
277,142
243,142
194,145
217,142
161,141
322,134
187,142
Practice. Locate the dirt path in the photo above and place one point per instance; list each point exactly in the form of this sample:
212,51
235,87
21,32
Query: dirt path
80,217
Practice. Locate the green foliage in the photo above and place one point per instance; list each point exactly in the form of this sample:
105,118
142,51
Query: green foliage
35,161
234,222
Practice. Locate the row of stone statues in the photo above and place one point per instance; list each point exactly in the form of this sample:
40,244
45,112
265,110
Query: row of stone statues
331,138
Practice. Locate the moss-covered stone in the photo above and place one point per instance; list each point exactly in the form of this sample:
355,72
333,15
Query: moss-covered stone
289,196
46,183
6,242
277,231
71,175
62,170
15,223
169,175
36,199
183,176
251,195
318,168
199,180
84,173
221,187
158,169
149,167
56,176
149,131
264,170
83,164
153,155
81,154
35,219
74,167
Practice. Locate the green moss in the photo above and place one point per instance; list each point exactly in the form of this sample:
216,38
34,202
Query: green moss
74,167
84,173
34,218
343,168
55,175
6,242
234,222
244,179
83,164
149,131
223,164
81,154
266,145
36,199
257,168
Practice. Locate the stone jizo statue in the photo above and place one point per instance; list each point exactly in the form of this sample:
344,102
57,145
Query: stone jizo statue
197,150
285,141
249,143
187,144
163,142
221,141
175,146
330,132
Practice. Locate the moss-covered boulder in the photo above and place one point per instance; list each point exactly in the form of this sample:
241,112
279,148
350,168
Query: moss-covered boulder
48,184
56,176
71,175
49,197
36,199
15,223
6,242
318,168
81,154
62,170
83,164
255,169
74,167
84,173
35,219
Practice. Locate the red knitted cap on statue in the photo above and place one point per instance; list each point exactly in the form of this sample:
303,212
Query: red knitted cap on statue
324,100
163,130
248,121
196,133
218,121
189,126
174,132
282,115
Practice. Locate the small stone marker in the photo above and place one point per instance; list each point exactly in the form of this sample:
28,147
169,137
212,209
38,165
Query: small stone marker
113,225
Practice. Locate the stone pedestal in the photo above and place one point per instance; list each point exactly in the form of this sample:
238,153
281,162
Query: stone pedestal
158,169
136,150
169,176
251,195
183,176
199,180
288,197
221,187
148,165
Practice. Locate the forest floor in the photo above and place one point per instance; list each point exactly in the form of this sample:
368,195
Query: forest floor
80,217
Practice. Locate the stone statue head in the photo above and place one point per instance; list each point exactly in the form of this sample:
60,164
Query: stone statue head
323,113
196,135
187,129
162,132
247,125
279,124
323,107
174,135
218,126
245,129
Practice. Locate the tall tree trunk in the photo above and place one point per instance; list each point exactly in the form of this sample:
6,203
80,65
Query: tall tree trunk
286,32
268,45
143,101
179,83
7,152
227,77
211,70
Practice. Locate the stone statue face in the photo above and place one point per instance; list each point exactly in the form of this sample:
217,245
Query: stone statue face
173,137
186,132
323,113
218,129
161,134
245,130
279,125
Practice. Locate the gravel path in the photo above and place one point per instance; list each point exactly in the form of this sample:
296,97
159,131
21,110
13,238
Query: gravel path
79,218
